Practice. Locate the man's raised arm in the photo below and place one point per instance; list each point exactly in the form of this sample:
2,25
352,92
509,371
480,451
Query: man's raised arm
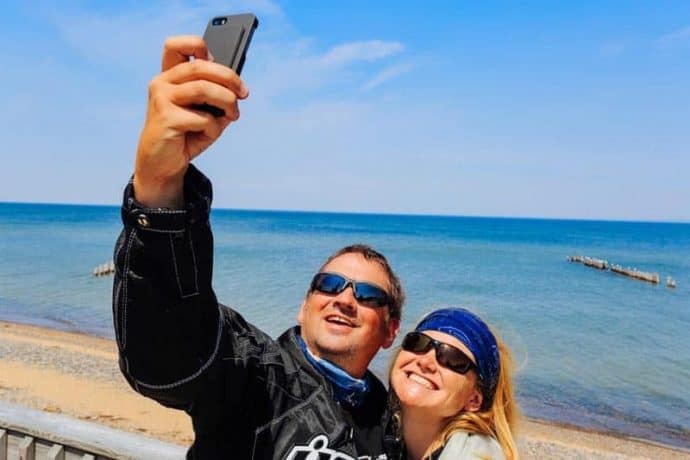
173,132
165,313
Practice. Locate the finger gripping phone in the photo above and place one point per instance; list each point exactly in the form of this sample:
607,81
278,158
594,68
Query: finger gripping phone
227,39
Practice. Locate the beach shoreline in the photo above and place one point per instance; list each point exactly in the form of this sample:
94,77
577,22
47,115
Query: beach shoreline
76,374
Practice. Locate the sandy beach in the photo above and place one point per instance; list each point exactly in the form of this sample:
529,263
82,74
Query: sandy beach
77,375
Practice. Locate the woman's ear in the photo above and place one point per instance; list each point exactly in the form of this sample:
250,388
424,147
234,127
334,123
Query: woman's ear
474,403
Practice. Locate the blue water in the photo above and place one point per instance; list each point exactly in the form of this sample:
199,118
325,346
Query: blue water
594,349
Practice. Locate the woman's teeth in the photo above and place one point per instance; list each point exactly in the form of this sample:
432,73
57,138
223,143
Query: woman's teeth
422,381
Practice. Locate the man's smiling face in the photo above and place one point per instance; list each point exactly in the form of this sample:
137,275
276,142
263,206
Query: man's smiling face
338,328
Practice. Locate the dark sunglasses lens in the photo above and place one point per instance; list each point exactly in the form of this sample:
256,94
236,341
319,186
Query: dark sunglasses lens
447,355
416,342
371,295
328,283
453,359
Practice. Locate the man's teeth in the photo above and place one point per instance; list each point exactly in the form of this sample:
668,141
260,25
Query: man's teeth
335,319
422,381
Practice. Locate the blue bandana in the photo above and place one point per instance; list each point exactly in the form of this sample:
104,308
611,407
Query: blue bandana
475,334
348,390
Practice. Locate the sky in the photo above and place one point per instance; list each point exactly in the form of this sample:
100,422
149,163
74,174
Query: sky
575,109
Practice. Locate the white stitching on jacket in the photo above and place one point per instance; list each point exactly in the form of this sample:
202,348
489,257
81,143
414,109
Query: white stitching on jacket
196,272
197,373
177,274
173,230
130,240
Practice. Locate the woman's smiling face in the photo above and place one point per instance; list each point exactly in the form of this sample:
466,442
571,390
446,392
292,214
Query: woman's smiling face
421,382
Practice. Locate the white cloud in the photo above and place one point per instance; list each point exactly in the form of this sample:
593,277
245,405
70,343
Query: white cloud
280,62
127,40
257,6
370,51
296,69
678,36
387,74
304,95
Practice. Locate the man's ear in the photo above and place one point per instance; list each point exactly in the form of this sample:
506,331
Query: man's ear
300,314
392,332
474,403
302,310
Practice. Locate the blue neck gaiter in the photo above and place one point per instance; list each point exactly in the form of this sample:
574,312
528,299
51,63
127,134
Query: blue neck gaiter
348,390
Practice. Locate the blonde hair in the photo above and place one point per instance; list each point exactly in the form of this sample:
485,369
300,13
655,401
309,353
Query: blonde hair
498,421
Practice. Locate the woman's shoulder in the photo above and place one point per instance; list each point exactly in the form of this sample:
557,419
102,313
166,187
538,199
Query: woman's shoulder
464,445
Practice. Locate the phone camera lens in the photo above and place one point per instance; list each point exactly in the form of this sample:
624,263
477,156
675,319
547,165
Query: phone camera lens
219,21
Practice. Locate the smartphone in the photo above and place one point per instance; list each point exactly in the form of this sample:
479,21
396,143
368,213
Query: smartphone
228,38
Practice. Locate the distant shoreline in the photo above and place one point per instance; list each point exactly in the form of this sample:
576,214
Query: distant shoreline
76,374
382,214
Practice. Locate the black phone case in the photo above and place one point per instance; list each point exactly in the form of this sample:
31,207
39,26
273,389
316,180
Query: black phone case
227,39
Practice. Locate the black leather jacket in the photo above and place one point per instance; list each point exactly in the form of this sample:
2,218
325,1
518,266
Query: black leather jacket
249,396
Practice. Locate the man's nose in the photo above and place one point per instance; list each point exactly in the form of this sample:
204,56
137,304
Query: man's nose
346,298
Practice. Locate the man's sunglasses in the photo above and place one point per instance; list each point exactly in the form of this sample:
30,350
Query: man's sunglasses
446,355
367,294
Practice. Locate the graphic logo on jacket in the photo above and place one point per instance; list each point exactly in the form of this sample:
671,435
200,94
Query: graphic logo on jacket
318,449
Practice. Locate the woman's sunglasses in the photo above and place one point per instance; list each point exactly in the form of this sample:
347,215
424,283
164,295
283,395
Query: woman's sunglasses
367,294
446,355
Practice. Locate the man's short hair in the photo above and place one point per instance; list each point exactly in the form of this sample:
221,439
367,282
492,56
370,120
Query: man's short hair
397,295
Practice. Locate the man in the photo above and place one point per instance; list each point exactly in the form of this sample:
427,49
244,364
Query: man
249,396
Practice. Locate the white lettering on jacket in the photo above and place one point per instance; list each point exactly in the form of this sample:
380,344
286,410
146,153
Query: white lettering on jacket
318,449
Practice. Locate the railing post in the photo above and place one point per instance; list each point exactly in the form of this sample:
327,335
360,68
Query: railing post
57,452
27,448
3,444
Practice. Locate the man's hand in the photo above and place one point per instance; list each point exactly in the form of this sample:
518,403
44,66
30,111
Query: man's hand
174,133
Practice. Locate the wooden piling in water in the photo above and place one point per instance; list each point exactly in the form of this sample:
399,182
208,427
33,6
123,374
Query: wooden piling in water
600,264
633,273
104,269
636,274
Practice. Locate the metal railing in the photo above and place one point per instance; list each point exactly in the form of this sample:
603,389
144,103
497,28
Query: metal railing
29,434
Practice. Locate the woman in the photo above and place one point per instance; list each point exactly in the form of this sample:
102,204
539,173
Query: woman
452,385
